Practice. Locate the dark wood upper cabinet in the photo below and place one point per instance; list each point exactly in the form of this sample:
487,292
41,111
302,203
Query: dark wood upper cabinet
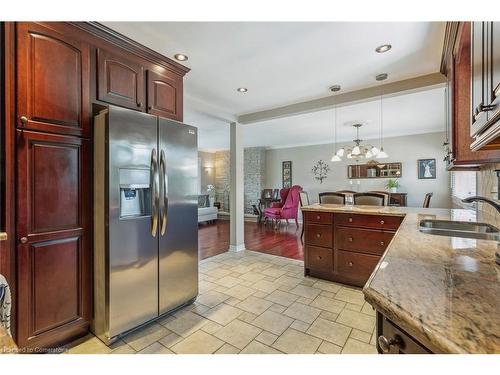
120,80
52,81
465,93
165,95
53,256
485,115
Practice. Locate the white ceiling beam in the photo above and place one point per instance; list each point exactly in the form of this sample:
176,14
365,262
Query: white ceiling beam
192,103
421,83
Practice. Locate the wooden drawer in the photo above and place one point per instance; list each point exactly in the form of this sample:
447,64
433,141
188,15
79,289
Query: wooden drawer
319,258
319,235
318,217
368,221
401,342
354,266
362,240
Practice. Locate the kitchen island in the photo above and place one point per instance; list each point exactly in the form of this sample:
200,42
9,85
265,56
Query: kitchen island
432,293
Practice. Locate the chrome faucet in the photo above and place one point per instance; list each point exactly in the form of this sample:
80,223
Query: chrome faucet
482,199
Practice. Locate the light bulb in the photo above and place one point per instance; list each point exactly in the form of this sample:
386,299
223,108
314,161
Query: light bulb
340,152
382,154
356,150
375,150
336,158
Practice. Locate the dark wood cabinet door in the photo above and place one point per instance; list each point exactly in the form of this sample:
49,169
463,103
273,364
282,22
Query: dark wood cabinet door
52,81
53,258
120,80
478,100
165,95
494,68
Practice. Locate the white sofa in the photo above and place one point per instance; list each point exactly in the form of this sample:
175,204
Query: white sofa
207,214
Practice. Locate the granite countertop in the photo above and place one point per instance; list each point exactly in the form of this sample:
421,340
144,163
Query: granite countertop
444,291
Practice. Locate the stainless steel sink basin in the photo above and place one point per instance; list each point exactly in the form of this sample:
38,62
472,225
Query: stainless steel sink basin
464,229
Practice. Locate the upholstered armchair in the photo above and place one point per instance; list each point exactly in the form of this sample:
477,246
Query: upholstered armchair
286,209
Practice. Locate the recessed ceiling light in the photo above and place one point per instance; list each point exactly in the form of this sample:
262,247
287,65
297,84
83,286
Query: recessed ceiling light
242,89
381,77
180,57
335,88
383,48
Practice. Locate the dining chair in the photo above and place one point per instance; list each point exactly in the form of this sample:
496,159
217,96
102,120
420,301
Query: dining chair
304,201
332,197
427,200
387,196
369,199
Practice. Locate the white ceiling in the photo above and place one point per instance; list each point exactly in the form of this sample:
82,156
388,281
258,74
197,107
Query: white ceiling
415,113
286,62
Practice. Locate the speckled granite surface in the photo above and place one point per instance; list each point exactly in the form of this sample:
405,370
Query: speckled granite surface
444,291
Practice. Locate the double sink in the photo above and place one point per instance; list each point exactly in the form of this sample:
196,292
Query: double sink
480,231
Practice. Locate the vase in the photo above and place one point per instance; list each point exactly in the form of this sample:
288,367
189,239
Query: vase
394,190
211,201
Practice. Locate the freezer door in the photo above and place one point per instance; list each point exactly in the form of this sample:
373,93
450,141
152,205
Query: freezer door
178,224
133,217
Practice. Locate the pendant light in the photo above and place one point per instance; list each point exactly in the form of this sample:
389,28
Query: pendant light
381,154
335,156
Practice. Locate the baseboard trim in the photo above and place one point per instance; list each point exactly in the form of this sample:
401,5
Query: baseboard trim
236,248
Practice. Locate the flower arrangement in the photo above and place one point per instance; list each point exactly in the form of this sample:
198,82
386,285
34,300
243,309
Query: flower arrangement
211,191
392,185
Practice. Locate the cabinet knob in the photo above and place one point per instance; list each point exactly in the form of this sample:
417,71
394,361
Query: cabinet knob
350,220
139,104
382,243
350,264
382,222
386,344
150,107
318,217
24,120
350,239
23,240
319,257
318,235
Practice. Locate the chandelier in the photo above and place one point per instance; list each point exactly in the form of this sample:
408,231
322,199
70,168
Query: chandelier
358,150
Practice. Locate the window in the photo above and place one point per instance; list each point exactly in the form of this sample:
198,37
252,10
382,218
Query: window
463,184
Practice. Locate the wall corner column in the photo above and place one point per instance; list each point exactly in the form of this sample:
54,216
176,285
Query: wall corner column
236,190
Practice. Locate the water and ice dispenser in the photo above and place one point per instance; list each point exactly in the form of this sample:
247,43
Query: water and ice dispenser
135,192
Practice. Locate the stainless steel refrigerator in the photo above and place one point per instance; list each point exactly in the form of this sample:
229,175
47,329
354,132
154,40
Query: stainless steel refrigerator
145,219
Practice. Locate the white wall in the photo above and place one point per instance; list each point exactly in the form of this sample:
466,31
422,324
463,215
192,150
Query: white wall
406,149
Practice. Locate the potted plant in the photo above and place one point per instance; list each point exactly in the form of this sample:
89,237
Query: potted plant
392,185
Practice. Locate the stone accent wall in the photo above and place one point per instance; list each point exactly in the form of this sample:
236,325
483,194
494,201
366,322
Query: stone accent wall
222,164
255,173
254,169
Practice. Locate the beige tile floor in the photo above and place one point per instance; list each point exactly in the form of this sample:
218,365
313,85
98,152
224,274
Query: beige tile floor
256,303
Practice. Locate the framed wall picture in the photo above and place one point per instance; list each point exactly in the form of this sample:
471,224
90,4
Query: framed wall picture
286,174
426,168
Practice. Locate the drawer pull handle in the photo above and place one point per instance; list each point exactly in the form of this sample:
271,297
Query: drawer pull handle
319,257
23,240
382,222
382,243
350,220
24,120
139,104
386,344
318,235
350,264
350,239
318,217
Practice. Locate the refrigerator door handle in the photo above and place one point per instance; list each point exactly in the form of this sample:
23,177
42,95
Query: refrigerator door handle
154,193
164,193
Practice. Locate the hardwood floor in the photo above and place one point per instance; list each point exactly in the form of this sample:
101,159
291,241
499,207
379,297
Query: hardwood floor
213,239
